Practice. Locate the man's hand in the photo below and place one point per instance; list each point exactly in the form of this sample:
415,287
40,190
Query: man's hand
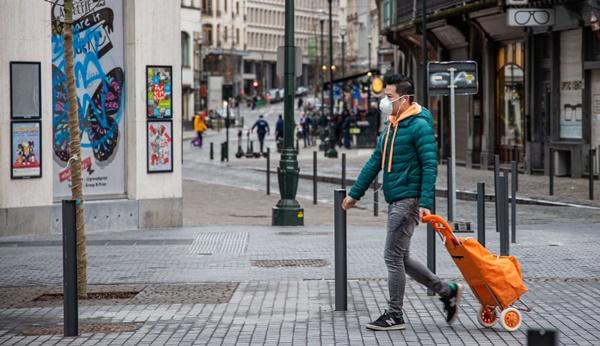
423,212
348,203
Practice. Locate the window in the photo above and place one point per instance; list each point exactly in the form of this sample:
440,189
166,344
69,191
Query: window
207,7
237,36
207,32
225,6
237,7
225,34
185,49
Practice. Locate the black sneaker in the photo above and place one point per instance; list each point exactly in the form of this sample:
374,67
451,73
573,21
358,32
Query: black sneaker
388,321
451,302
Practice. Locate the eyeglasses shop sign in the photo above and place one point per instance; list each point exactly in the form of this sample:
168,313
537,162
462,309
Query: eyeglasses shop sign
530,17
465,77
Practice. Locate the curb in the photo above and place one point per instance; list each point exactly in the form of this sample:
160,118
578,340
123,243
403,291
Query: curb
460,194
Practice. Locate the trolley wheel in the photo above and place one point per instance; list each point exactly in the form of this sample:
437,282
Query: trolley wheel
510,319
487,316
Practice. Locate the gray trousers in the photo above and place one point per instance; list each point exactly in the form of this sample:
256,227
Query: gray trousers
403,216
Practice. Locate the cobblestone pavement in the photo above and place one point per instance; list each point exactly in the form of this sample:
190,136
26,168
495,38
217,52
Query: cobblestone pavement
294,305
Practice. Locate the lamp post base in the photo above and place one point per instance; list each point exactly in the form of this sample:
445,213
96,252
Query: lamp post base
286,214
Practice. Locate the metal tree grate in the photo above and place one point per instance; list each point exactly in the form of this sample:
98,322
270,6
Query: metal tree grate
220,243
84,329
308,262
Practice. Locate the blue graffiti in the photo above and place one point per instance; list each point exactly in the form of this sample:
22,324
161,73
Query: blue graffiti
100,112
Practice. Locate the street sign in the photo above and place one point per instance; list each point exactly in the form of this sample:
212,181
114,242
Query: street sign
451,78
530,17
281,61
465,77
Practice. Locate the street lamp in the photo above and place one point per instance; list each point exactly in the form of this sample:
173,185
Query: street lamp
322,134
343,34
288,211
331,152
370,74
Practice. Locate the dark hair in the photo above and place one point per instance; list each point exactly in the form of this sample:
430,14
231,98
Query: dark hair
404,85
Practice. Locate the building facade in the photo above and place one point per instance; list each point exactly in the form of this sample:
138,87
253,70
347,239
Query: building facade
191,61
265,32
537,81
127,58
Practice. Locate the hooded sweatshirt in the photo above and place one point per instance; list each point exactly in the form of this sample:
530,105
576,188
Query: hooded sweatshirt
407,153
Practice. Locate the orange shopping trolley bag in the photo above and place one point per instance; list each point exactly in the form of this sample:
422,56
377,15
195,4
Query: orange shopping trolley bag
496,281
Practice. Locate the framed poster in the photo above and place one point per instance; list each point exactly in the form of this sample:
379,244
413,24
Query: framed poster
101,90
25,86
25,152
159,148
159,92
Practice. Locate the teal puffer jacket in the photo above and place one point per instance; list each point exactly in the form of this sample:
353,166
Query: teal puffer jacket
414,162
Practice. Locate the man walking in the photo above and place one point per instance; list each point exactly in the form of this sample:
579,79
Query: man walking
406,152
305,124
262,129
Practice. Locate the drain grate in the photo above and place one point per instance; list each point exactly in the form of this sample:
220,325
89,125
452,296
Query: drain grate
220,243
85,328
308,262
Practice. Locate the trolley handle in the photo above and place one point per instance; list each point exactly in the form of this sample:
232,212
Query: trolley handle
442,227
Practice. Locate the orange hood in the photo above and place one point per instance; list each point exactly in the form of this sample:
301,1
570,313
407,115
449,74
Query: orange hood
413,109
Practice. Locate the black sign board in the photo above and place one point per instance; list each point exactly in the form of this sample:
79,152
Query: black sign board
465,77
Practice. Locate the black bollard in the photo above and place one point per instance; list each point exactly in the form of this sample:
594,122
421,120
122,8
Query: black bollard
376,196
297,146
481,213
496,175
503,214
314,177
70,304
431,247
551,173
212,151
268,171
341,286
591,175
343,170
542,337
513,201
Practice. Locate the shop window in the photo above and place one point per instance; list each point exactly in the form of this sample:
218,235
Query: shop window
510,99
185,49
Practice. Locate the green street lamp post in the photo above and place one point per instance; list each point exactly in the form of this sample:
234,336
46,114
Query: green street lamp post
331,152
322,129
288,211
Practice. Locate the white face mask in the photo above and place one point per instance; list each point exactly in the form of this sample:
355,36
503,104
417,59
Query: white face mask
386,106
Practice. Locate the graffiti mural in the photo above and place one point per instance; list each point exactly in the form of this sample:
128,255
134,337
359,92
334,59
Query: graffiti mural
100,83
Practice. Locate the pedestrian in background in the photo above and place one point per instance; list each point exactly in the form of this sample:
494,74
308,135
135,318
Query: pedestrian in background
262,129
305,125
407,155
199,128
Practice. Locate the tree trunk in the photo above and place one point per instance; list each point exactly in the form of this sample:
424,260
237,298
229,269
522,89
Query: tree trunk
75,146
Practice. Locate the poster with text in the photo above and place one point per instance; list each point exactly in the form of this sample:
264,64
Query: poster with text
571,85
100,82
159,92
160,146
25,154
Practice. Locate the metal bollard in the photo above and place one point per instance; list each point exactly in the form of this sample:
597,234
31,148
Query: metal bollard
450,195
496,175
542,337
297,146
376,196
212,151
503,214
314,177
431,247
268,171
551,173
70,303
591,175
341,286
343,170
481,213
252,146
513,201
